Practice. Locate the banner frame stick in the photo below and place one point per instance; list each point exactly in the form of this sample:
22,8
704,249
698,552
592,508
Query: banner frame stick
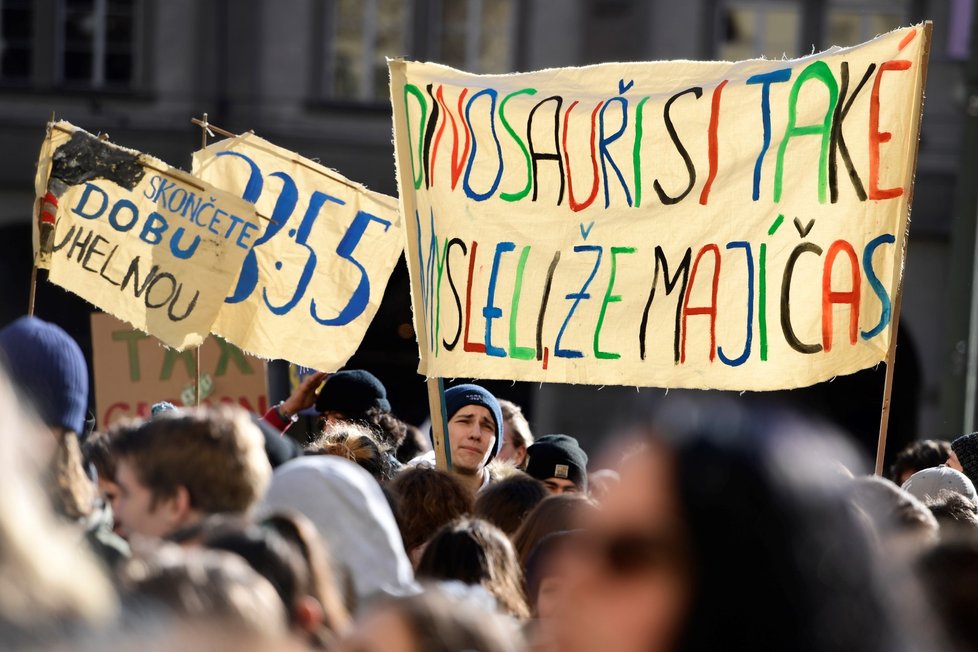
33,291
203,143
298,161
439,425
898,297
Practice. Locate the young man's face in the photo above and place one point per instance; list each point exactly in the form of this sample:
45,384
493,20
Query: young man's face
135,512
557,486
472,435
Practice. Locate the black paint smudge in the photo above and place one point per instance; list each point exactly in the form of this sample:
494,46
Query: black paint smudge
85,158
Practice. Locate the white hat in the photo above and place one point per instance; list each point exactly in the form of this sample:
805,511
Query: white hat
930,482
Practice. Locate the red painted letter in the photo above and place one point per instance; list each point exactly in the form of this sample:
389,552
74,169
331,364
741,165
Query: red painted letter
830,298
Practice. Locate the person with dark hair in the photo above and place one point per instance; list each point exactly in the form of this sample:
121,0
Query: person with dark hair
730,531
949,574
281,564
507,503
517,436
179,467
559,462
475,435
278,448
356,443
415,444
964,456
954,512
433,621
477,553
97,452
918,456
553,514
352,396
207,586
323,584
427,499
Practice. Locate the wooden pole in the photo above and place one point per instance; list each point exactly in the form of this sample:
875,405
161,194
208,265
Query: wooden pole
898,297
439,425
203,143
32,292
30,298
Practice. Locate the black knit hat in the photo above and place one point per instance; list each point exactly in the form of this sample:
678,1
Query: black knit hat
557,456
352,393
966,448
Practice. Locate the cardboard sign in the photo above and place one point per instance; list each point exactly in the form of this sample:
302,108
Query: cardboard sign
133,371
674,224
141,240
313,282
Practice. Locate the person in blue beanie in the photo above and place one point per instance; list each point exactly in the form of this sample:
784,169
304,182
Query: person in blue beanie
475,434
48,370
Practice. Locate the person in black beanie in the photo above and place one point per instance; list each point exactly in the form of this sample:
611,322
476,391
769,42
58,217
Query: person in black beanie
559,462
351,395
964,456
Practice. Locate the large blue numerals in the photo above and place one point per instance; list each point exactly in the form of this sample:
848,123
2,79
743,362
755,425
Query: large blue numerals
301,235
361,296
285,204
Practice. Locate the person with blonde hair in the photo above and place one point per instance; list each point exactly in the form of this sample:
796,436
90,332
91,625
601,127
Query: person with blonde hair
356,443
517,436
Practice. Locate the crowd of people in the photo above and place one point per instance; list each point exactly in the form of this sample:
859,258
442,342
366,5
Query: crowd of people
707,526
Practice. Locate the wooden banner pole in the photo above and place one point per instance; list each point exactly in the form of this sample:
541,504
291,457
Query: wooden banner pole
203,143
32,292
888,382
898,297
439,425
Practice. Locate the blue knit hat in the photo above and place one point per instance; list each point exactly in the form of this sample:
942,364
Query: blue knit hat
459,396
47,366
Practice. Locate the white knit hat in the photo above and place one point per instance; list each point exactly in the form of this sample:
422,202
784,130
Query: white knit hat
930,482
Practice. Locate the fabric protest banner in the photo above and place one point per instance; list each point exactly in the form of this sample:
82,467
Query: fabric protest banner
141,240
131,372
675,224
313,282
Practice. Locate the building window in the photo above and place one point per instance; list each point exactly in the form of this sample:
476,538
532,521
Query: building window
16,29
363,34
850,22
754,29
474,35
96,43
792,28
